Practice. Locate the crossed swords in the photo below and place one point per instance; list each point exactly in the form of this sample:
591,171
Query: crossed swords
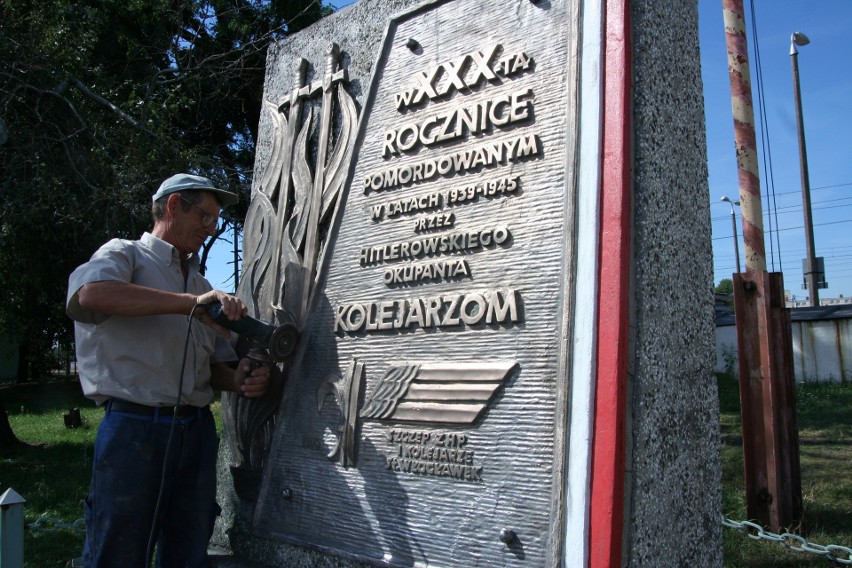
297,304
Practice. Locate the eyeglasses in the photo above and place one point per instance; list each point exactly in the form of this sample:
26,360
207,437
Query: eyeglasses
209,220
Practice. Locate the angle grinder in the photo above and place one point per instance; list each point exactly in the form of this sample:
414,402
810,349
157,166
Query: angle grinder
280,341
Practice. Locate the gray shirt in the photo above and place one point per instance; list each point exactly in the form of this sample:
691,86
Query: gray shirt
139,359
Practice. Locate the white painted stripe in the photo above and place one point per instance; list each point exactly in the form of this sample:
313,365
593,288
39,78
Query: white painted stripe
575,537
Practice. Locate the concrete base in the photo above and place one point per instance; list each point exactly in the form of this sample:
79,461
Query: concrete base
224,559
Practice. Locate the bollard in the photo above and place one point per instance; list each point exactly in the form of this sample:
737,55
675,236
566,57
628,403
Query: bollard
11,529
73,418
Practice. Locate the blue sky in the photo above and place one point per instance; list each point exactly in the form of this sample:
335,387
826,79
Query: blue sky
825,69
825,73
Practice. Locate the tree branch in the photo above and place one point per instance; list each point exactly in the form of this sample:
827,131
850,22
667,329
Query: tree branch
104,102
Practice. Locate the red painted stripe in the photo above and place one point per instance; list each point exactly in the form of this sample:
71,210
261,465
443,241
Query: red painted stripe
753,236
745,133
608,450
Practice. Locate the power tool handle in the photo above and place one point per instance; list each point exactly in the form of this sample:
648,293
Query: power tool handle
240,326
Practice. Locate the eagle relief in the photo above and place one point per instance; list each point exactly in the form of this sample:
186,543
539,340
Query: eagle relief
448,393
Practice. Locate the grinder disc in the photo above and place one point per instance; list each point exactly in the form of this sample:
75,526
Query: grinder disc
283,341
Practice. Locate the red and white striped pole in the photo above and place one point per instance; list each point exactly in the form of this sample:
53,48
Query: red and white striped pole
744,137
764,335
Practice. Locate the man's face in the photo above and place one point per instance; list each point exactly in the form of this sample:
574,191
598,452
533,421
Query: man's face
190,231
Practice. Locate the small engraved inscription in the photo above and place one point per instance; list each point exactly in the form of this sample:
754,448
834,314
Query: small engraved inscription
492,188
447,243
415,272
434,454
391,209
469,159
432,222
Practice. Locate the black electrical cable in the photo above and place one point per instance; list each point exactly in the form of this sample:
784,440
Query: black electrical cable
150,548
772,208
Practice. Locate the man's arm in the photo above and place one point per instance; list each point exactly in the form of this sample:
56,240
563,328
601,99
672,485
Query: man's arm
117,298
243,380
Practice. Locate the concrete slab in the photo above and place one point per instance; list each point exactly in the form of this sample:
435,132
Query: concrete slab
224,559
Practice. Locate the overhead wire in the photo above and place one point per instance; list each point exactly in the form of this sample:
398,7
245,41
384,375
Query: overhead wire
798,207
794,228
766,146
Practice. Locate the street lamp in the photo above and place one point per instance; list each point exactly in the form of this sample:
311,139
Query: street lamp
734,225
811,272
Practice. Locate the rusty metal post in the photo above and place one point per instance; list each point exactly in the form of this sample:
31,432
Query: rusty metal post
768,400
764,335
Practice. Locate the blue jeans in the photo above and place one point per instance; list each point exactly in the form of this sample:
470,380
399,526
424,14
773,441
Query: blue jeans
129,463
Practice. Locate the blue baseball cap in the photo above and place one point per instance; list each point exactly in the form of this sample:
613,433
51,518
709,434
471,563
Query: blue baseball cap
181,182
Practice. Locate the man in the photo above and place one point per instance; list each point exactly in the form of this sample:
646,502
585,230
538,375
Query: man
143,337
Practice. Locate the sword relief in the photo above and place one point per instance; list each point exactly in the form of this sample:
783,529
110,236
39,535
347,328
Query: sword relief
346,391
283,232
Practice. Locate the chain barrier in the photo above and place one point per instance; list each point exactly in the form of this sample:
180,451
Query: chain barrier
49,524
796,543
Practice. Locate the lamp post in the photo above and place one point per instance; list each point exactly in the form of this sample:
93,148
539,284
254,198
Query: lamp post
734,225
798,38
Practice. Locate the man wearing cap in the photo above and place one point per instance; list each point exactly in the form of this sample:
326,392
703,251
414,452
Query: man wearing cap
140,355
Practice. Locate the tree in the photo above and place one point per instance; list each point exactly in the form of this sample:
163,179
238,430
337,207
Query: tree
725,286
9,442
99,102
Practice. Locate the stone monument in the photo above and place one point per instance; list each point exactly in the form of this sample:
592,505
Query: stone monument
488,221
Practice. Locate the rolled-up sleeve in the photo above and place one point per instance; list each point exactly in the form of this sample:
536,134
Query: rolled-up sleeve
113,261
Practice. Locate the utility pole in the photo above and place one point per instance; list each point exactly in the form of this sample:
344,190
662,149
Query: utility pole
764,337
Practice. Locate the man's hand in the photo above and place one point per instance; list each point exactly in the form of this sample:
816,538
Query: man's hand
232,307
251,383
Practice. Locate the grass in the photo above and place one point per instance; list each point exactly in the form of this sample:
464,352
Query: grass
52,474
824,414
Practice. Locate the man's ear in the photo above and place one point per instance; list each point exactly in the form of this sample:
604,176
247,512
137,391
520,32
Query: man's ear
172,204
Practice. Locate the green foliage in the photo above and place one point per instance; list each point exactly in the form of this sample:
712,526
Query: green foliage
729,393
725,286
99,102
730,360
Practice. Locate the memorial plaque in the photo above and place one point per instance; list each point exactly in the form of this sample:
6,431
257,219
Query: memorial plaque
481,363
424,420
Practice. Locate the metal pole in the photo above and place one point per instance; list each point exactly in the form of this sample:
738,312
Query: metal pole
734,226
764,334
799,38
744,136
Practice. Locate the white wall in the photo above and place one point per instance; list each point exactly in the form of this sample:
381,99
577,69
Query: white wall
822,350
